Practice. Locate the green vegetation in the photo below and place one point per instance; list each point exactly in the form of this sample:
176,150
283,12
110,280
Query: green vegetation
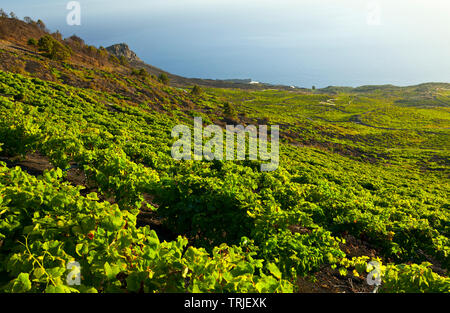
229,110
123,60
139,72
363,177
53,48
32,42
163,78
197,90
66,226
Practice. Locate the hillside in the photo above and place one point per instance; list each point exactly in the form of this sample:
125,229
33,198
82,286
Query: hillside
87,176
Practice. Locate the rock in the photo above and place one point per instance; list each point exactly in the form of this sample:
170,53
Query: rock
122,49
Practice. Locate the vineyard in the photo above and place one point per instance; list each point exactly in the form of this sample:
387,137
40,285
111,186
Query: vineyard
86,176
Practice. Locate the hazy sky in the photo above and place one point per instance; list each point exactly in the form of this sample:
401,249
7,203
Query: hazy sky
294,42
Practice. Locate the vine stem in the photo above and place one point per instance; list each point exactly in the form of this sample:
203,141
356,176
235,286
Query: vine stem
36,260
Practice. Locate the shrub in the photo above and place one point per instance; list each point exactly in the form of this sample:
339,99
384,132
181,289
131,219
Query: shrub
228,110
40,24
45,43
141,72
196,90
102,52
163,78
60,52
57,35
91,50
53,48
123,60
75,41
32,42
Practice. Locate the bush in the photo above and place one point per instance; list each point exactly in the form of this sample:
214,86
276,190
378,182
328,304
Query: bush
18,131
163,78
141,72
57,35
102,52
32,42
40,24
60,52
228,110
196,90
53,48
123,60
75,41
91,50
45,43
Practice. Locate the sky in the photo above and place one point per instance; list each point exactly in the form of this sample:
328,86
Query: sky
291,42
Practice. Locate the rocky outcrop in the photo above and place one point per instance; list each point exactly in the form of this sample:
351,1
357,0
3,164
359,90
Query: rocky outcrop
122,49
